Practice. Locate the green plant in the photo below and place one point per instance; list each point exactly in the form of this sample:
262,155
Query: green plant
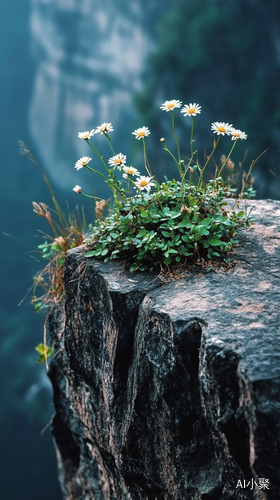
68,231
44,352
154,225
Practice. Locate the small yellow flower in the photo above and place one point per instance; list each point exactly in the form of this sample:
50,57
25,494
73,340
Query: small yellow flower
82,162
140,133
117,161
86,135
130,171
191,109
221,128
105,128
144,182
237,134
170,105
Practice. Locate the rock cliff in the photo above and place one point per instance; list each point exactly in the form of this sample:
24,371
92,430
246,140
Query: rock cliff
171,390
90,58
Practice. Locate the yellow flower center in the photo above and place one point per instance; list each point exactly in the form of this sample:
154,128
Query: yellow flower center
143,183
130,170
141,134
236,134
118,161
221,129
191,111
170,106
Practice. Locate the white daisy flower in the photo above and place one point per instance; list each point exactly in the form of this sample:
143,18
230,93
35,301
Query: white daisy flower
130,171
170,105
221,128
105,128
77,189
86,135
141,132
191,109
237,134
82,162
117,161
144,182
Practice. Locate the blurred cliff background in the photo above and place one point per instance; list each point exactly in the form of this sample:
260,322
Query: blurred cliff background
67,66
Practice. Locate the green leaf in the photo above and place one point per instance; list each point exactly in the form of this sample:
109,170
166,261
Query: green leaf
91,253
166,234
206,221
215,242
44,351
174,215
202,230
185,223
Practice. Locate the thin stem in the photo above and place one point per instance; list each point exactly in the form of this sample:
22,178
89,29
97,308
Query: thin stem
208,159
110,144
227,158
96,172
177,142
113,188
98,198
100,157
192,138
168,151
147,166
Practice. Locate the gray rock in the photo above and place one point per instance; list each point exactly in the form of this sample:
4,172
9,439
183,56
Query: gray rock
171,390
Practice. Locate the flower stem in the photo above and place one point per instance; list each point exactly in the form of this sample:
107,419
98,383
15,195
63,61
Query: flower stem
192,118
110,144
100,157
227,158
98,198
147,166
96,172
177,142
208,159
168,151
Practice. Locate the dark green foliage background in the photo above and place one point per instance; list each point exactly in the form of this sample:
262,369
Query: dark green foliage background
225,56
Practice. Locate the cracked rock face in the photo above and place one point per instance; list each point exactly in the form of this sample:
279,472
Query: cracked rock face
171,391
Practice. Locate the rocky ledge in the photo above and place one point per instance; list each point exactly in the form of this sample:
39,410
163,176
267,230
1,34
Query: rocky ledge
171,391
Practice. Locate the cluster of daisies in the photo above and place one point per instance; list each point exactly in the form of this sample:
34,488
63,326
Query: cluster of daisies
118,161
219,128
